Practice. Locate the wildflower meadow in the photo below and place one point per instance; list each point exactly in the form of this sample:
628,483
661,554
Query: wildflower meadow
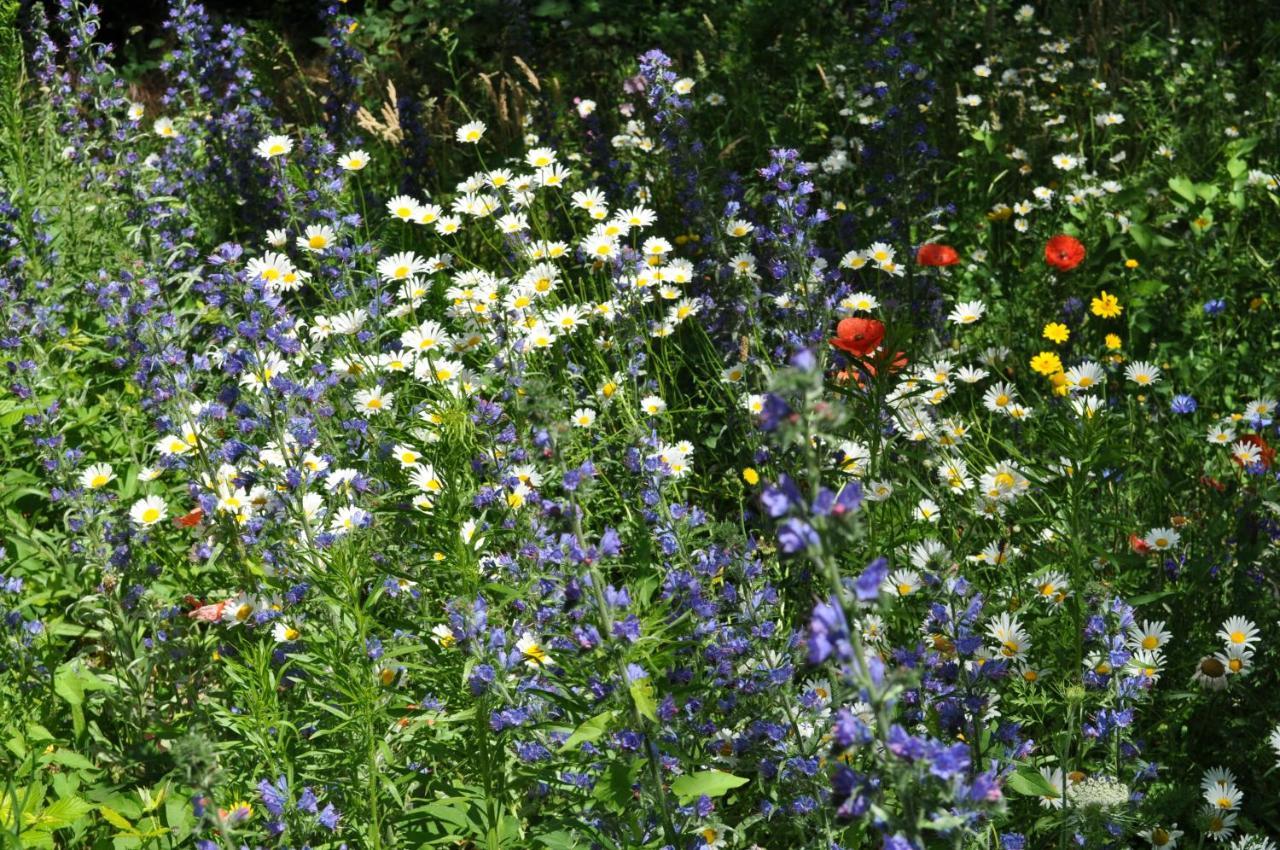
721,425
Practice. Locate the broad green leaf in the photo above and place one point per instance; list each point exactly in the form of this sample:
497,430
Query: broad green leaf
70,759
116,819
1184,187
65,812
590,730
712,783
1031,783
642,696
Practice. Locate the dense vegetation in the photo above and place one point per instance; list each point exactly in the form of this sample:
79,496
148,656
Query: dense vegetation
701,425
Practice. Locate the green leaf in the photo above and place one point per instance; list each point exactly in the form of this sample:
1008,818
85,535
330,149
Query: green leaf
1184,187
1141,235
590,730
1236,167
70,682
65,812
116,819
616,790
558,840
713,783
1031,783
1148,598
642,696
70,759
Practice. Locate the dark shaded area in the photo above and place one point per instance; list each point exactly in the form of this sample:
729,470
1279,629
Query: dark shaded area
140,21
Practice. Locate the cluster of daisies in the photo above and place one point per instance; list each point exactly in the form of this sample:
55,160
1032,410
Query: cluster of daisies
1239,640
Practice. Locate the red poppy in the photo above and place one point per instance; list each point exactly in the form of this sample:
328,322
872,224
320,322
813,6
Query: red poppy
933,254
1266,454
1138,545
1064,252
858,336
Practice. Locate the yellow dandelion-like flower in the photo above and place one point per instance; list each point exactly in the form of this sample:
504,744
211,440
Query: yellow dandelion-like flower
1106,306
1046,363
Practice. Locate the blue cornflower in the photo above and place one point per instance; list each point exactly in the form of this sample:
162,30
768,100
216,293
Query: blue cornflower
1183,404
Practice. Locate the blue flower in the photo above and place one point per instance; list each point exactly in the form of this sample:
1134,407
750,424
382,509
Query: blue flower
328,817
867,587
796,535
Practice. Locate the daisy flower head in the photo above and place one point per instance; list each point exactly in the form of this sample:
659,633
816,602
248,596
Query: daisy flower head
652,405
1142,373
1150,635
1246,453
1057,781
532,652
401,266
1162,539
471,132
1066,161
967,312
863,302
316,238
583,417
403,207
1051,586
354,160
902,583
148,511
274,146
1007,630
1240,632
96,476
373,401
1210,673
1224,796
164,128
1237,659
1084,376
1220,435
999,397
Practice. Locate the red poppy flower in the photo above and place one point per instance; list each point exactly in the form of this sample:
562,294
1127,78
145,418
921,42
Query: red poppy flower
1267,454
933,254
1064,252
858,336
1138,545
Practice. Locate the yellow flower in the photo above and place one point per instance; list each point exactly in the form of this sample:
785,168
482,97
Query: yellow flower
1057,332
1106,306
1130,263
1046,363
750,476
1061,386
1112,341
